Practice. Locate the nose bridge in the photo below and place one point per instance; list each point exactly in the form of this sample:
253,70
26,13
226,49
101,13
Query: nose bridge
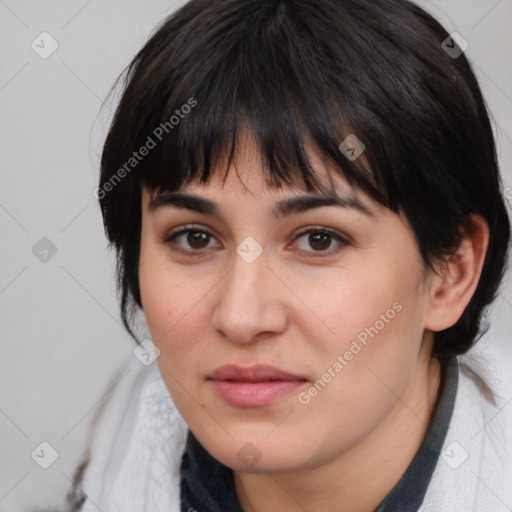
244,278
242,293
248,303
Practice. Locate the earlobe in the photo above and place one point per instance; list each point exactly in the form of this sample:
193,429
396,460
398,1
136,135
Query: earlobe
453,287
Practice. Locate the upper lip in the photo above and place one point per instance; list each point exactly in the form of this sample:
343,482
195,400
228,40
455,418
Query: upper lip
255,373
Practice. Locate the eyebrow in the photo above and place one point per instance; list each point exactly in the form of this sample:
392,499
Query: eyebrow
283,208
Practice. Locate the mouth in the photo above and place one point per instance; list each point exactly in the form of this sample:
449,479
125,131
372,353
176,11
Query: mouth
254,386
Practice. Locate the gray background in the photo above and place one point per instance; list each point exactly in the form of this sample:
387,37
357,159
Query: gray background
61,334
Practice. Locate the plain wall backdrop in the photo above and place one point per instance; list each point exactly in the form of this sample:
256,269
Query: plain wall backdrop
61,336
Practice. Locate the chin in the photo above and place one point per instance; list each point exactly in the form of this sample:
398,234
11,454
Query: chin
258,453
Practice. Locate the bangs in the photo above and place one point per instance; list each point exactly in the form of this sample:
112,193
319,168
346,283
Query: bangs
264,80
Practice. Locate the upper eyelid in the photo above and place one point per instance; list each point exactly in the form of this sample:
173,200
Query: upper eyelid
307,229
325,229
341,238
188,227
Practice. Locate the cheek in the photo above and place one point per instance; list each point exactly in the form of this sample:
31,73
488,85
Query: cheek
358,304
362,369
372,329
173,309
176,310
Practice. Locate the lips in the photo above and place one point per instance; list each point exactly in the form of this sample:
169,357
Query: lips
256,373
253,386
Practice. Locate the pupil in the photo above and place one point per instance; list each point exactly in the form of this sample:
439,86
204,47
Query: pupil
196,239
319,241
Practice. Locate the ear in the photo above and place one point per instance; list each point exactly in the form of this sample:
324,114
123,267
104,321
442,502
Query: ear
452,287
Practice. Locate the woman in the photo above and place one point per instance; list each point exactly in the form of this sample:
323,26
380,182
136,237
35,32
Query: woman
305,204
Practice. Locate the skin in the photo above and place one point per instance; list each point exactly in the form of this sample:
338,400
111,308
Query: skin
299,308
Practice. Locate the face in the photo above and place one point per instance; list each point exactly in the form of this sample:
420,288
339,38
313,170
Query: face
282,323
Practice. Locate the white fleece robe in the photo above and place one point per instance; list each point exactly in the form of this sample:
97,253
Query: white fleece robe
139,437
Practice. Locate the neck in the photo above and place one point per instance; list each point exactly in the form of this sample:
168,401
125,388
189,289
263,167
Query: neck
359,479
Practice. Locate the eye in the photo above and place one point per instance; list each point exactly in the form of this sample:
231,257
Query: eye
190,239
321,240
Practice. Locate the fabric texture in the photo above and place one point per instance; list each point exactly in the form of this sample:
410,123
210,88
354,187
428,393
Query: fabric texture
139,438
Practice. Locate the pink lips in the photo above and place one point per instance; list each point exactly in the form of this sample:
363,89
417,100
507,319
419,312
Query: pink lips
253,386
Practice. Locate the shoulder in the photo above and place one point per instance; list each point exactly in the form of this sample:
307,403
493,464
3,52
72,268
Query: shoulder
476,459
135,416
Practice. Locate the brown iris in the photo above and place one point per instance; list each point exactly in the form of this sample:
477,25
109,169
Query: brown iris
319,241
198,239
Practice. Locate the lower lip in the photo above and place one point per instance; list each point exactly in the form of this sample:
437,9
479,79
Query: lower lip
254,394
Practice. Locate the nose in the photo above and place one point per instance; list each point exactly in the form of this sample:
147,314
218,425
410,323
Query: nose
250,304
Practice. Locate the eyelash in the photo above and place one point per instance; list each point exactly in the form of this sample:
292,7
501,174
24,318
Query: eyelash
170,237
